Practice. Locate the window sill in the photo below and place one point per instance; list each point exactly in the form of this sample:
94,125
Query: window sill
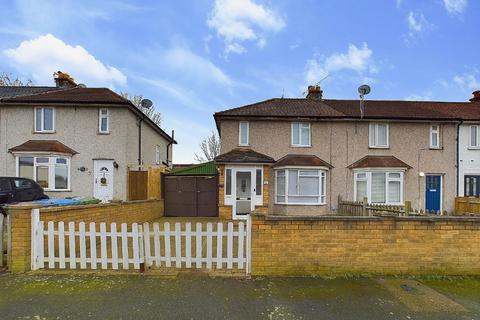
243,145
300,146
435,148
374,147
473,148
55,190
103,133
44,132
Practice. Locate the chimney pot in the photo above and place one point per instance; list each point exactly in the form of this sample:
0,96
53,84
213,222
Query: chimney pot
64,80
315,92
476,96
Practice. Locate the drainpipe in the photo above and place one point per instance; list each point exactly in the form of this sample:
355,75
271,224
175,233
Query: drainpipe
140,120
168,146
458,156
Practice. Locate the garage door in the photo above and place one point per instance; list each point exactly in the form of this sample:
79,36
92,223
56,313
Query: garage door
187,196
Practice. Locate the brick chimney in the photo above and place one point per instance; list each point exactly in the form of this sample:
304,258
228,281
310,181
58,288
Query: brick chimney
314,93
476,96
63,80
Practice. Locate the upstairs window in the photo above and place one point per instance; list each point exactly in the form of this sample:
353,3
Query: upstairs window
44,120
103,121
378,135
243,128
435,136
300,134
474,139
157,155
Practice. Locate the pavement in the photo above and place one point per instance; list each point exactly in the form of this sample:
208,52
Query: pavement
106,296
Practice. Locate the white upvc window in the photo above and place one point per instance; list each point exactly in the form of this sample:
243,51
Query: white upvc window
379,186
434,136
301,136
44,119
378,135
103,121
157,155
474,137
300,186
243,133
51,172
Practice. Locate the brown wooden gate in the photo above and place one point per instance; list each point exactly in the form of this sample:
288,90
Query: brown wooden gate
191,196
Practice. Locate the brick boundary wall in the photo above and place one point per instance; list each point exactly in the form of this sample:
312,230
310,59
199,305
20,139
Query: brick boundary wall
306,246
19,258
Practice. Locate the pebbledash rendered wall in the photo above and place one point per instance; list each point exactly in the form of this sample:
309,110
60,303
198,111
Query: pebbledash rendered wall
306,246
19,252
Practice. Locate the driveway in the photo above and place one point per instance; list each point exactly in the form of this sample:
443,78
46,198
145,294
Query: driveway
148,297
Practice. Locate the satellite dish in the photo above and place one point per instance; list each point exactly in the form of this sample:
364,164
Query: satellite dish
364,89
146,103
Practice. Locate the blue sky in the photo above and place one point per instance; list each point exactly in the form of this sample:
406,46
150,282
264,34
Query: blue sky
193,58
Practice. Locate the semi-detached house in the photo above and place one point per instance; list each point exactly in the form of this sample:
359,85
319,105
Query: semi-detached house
296,156
77,141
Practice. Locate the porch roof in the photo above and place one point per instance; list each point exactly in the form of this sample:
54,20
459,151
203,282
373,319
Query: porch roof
302,160
379,162
54,146
243,155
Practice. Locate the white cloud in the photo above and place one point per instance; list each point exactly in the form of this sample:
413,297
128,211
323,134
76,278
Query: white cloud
467,81
426,96
183,59
455,6
41,57
243,20
355,59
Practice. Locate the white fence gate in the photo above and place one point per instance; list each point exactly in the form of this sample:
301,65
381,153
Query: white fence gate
128,247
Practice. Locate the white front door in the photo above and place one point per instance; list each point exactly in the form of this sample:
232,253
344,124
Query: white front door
103,180
243,192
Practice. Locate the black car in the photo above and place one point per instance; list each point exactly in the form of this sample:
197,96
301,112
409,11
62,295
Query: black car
19,190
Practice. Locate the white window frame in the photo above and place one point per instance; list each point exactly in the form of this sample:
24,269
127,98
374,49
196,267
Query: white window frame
240,143
157,154
433,132
42,120
300,125
103,116
373,135
368,178
51,169
322,184
470,145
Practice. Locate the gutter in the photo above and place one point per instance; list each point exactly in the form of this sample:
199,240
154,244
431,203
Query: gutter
457,156
168,147
140,120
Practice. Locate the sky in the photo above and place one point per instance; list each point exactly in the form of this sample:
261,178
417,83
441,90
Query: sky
193,58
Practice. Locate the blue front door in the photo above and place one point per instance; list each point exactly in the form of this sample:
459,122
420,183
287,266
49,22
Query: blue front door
433,192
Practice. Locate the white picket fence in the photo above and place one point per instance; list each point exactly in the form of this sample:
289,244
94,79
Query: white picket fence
154,245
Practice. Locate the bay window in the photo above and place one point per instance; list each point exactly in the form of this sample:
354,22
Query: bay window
379,186
300,186
51,172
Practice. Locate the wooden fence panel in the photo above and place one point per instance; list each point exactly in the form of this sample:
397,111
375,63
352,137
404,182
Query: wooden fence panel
467,205
137,185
